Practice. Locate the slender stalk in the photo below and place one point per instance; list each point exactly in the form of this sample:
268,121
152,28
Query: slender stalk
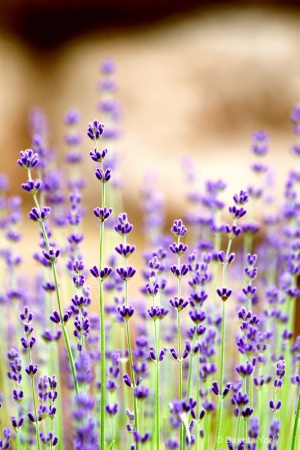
66,338
37,428
102,369
190,372
238,429
59,420
102,334
17,440
102,325
220,402
65,334
36,417
296,425
157,389
180,374
133,380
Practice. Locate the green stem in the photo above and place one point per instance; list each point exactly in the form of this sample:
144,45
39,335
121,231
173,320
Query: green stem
238,430
220,402
66,338
46,239
296,425
102,374
17,440
59,420
102,332
36,416
157,390
190,373
132,380
180,375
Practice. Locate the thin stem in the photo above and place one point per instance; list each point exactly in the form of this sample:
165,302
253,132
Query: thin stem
296,425
157,390
66,338
35,415
46,239
17,440
220,402
238,429
190,373
102,331
133,380
102,373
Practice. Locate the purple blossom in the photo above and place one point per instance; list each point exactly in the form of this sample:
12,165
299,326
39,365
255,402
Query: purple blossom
103,175
178,229
178,304
28,159
224,293
126,273
95,130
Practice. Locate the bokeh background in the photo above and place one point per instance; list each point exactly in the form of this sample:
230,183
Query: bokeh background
195,78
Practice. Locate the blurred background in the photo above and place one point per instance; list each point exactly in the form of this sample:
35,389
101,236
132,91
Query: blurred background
195,78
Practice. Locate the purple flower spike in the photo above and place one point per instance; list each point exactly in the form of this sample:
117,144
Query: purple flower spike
251,273
26,315
233,232
31,370
102,214
274,407
95,130
178,249
78,281
32,186
112,410
127,273
197,316
103,175
28,159
241,198
280,368
224,293
178,304
179,271
246,412
157,312
102,274
152,289
245,370
125,250
126,311
249,291
141,392
237,213
98,155
178,229
51,255
123,226
16,423
39,216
